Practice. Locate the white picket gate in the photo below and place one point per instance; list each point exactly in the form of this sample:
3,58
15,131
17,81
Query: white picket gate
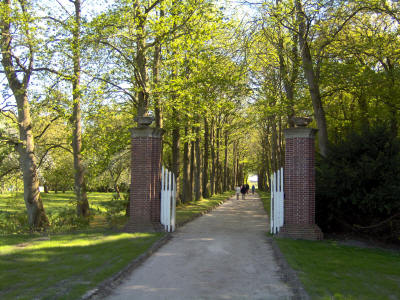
168,200
277,196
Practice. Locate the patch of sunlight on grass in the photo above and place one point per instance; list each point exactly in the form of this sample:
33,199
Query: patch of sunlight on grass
66,265
266,200
188,211
332,271
53,201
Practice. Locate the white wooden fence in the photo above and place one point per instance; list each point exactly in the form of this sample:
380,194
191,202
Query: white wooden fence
277,196
168,200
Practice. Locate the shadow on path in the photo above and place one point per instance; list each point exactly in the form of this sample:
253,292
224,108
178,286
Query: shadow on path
222,255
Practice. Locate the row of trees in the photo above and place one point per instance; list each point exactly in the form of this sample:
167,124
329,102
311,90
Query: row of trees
336,61
78,73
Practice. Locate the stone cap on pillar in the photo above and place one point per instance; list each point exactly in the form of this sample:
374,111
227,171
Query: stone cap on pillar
300,132
146,132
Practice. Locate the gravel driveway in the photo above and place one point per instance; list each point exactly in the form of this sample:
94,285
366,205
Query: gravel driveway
222,255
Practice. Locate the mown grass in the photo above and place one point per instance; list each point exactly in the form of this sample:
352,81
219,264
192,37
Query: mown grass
188,211
67,265
329,270
266,200
53,202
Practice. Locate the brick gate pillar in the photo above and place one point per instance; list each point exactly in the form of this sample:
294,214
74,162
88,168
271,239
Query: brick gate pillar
145,189
299,185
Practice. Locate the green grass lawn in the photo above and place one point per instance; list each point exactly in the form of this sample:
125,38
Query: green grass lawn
266,200
332,271
53,202
188,211
329,270
67,265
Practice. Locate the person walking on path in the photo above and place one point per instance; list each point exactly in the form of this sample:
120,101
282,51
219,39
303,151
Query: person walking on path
243,191
253,188
237,188
222,255
247,188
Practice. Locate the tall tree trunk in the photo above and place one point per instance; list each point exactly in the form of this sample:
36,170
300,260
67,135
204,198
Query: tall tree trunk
274,146
36,214
289,77
197,179
141,68
363,106
217,162
226,175
156,79
238,178
192,165
212,175
390,70
25,146
206,193
312,80
82,206
234,166
175,149
187,192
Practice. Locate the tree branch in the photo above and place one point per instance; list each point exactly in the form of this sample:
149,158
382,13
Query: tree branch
47,127
151,7
52,147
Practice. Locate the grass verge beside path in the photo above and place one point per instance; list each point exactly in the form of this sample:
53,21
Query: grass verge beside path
266,200
188,211
329,270
332,271
67,265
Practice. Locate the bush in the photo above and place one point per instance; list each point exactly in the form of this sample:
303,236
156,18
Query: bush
67,220
13,222
358,186
115,209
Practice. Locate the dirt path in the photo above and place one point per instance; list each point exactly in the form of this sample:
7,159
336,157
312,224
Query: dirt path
222,255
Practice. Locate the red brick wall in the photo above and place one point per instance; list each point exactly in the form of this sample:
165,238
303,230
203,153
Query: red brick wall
145,188
299,185
299,178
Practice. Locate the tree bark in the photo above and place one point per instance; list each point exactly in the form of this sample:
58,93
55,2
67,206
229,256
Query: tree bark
82,206
274,146
197,179
25,147
187,192
192,166
234,167
175,149
217,162
156,80
206,193
212,175
141,70
312,80
226,175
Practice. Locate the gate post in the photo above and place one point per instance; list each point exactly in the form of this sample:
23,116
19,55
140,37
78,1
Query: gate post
145,190
299,185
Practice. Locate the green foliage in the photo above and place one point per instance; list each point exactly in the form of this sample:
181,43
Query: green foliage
14,222
266,200
115,209
357,184
332,271
66,220
60,209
